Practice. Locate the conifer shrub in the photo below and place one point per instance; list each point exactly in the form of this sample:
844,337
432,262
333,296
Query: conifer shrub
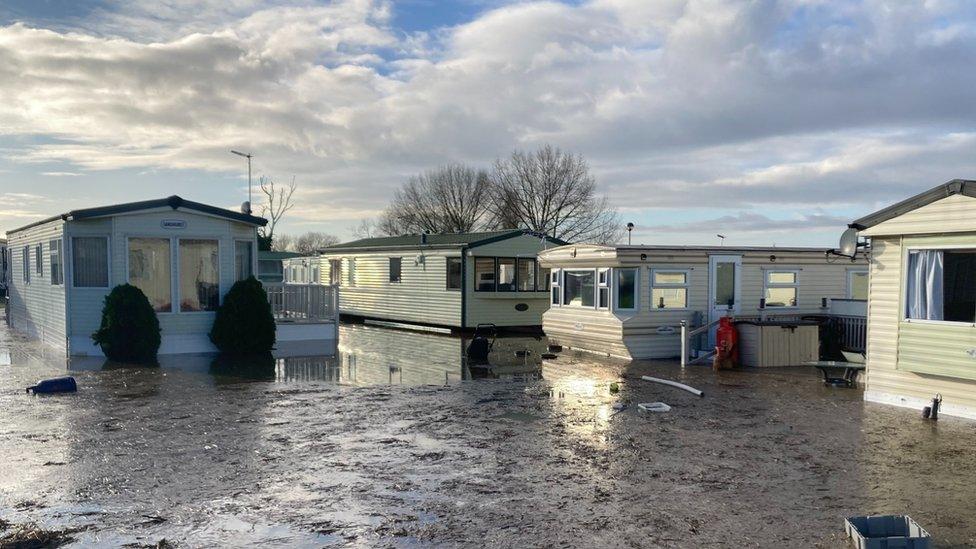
129,331
245,324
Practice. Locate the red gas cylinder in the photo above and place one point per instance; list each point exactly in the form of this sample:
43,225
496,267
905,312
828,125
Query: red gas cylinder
727,340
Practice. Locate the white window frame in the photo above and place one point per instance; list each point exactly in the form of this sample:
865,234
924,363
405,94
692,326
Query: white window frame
850,280
903,297
596,293
555,284
603,276
616,289
50,253
174,270
178,279
670,286
108,261
39,260
25,264
795,285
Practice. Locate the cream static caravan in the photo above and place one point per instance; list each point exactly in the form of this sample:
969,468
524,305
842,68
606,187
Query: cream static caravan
183,255
629,301
921,338
450,280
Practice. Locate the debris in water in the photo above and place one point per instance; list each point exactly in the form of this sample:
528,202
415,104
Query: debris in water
688,388
54,385
654,407
30,536
614,388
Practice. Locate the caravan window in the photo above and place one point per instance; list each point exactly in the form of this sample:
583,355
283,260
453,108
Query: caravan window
543,277
554,277
57,262
526,274
25,264
484,274
89,261
199,275
603,289
857,285
335,272
506,274
669,289
454,273
150,271
243,259
579,288
39,259
396,266
941,285
781,288
625,289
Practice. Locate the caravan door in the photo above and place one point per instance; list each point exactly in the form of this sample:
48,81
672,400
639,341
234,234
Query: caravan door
725,286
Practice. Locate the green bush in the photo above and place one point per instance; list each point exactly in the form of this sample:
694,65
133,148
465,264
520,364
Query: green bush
244,323
130,330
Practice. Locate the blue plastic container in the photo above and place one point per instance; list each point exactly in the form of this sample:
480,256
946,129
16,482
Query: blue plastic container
55,385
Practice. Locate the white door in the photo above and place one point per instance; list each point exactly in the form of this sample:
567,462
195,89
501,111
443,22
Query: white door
725,285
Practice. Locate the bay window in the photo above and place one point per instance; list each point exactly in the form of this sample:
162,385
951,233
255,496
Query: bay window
578,288
780,289
603,288
669,289
625,289
199,275
941,285
555,286
150,271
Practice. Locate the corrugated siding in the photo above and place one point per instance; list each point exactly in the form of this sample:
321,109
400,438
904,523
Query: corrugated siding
421,295
933,347
499,308
598,331
953,214
86,303
640,334
37,309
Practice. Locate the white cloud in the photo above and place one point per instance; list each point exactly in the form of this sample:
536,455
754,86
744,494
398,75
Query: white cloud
777,104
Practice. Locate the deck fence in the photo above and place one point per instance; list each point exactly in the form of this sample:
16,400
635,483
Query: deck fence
303,303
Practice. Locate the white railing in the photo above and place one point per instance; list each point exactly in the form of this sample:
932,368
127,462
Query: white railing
303,303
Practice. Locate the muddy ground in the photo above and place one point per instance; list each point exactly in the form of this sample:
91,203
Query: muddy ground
201,458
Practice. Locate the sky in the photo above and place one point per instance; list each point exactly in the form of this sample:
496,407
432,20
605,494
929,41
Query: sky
771,122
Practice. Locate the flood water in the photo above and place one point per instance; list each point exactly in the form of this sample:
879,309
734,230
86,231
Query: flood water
394,441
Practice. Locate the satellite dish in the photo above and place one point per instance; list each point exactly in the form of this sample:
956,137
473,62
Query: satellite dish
848,242
246,208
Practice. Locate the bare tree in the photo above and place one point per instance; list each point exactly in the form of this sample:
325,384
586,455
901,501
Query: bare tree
552,192
312,241
450,199
366,229
276,205
283,243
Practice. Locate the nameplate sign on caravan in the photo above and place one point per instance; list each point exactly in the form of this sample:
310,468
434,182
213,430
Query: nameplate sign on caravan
173,224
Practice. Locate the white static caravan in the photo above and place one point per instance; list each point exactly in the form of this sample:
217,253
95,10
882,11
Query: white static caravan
183,255
451,280
629,301
921,338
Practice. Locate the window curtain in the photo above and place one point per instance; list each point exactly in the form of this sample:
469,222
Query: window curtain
90,262
925,292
